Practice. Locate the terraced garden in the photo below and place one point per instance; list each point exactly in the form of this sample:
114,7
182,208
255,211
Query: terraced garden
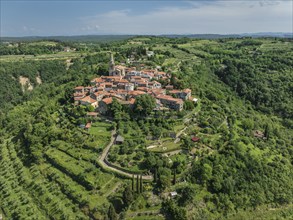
67,185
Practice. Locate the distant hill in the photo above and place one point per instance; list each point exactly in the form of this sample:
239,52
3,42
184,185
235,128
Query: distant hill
110,38
218,36
79,38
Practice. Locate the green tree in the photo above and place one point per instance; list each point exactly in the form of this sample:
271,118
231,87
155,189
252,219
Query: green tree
172,211
132,183
128,196
144,104
112,215
116,109
267,131
137,184
141,184
186,195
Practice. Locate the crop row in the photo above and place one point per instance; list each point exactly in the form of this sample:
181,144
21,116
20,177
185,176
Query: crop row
83,172
15,201
48,197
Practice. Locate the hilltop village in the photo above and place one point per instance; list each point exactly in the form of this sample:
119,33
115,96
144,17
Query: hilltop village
125,84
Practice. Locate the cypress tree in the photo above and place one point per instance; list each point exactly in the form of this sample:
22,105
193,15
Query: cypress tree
112,215
174,177
137,184
267,131
141,187
132,182
128,196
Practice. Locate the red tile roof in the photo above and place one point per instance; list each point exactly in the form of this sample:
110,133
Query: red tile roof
136,92
174,91
195,139
161,73
88,99
170,98
98,80
145,89
108,100
79,87
123,81
88,125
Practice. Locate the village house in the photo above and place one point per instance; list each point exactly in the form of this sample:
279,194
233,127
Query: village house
104,105
169,87
172,103
88,101
182,94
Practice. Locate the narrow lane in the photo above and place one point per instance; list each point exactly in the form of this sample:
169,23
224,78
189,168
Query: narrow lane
107,165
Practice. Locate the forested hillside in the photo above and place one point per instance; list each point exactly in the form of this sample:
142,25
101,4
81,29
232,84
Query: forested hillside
240,167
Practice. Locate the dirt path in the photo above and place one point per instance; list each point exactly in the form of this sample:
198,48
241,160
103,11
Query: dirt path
113,190
171,153
106,165
107,183
144,213
179,134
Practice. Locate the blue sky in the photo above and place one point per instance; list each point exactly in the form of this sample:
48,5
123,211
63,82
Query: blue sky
48,18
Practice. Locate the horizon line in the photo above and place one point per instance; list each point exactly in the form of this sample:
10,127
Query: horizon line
239,34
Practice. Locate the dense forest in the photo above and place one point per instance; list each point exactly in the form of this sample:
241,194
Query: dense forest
241,167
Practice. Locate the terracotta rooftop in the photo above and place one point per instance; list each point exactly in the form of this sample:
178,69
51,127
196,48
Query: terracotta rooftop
169,98
79,87
174,91
145,89
88,99
136,92
129,102
123,81
97,80
110,77
88,125
161,73
108,100
99,93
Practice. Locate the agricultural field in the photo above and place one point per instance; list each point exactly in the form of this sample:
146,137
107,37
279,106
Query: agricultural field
24,58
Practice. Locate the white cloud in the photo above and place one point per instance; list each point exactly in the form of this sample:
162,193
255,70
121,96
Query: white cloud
29,30
218,17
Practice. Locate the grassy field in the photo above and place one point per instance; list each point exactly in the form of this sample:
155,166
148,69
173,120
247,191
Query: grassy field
264,213
55,56
166,146
100,133
100,129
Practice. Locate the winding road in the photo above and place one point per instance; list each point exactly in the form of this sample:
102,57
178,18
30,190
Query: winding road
108,166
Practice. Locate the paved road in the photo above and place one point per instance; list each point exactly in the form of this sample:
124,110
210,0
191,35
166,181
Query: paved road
108,166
